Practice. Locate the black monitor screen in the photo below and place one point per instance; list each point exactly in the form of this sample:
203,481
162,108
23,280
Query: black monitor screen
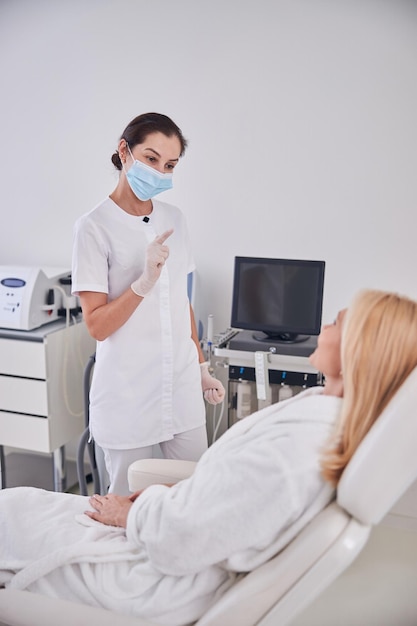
279,297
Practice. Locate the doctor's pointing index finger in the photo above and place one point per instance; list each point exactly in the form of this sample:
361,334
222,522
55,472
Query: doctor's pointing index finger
162,238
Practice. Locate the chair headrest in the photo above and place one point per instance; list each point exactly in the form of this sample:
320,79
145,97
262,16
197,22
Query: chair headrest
385,463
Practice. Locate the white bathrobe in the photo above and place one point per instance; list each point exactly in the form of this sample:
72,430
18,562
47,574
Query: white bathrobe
251,493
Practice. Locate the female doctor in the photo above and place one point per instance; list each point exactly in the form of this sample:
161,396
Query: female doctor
131,258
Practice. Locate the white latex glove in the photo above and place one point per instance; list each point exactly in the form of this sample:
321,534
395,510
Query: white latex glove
212,388
156,255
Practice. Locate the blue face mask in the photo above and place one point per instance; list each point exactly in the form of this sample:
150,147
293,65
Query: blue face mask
145,181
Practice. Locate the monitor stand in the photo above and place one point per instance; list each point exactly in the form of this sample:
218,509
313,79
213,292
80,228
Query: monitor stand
285,338
244,340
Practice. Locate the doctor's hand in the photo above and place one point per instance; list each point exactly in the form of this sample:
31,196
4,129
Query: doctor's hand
156,255
212,388
110,509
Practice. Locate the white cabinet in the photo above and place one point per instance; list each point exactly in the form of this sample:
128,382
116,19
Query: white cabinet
41,386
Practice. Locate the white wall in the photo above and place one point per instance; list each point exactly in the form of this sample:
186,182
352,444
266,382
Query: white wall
301,119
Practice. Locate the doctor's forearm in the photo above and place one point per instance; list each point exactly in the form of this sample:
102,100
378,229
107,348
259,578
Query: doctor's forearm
103,318
194,336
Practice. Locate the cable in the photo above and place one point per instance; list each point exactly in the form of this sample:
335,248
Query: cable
219,421
215,424
209,336
66,353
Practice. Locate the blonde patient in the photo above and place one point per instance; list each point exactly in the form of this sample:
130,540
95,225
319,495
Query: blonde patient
250,495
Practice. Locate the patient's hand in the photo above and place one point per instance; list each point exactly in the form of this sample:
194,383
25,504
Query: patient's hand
111,509
136,494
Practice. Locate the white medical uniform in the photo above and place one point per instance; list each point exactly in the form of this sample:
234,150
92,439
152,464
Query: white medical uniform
251,493
146,384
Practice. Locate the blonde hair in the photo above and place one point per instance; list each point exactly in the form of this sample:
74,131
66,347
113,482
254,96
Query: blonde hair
379,350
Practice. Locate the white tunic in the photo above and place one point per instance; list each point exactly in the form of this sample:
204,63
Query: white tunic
251,493
146,383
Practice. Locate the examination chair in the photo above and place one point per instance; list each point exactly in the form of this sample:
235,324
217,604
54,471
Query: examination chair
382,469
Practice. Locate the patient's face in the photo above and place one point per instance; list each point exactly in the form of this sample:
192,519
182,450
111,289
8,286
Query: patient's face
326,357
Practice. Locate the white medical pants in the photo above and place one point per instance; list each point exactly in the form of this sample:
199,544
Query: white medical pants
187,446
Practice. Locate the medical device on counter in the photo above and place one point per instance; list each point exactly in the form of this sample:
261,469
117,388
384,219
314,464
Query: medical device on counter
33,296
279,300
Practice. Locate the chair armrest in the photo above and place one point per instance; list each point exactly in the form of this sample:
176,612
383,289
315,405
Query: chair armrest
24,608
147,472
